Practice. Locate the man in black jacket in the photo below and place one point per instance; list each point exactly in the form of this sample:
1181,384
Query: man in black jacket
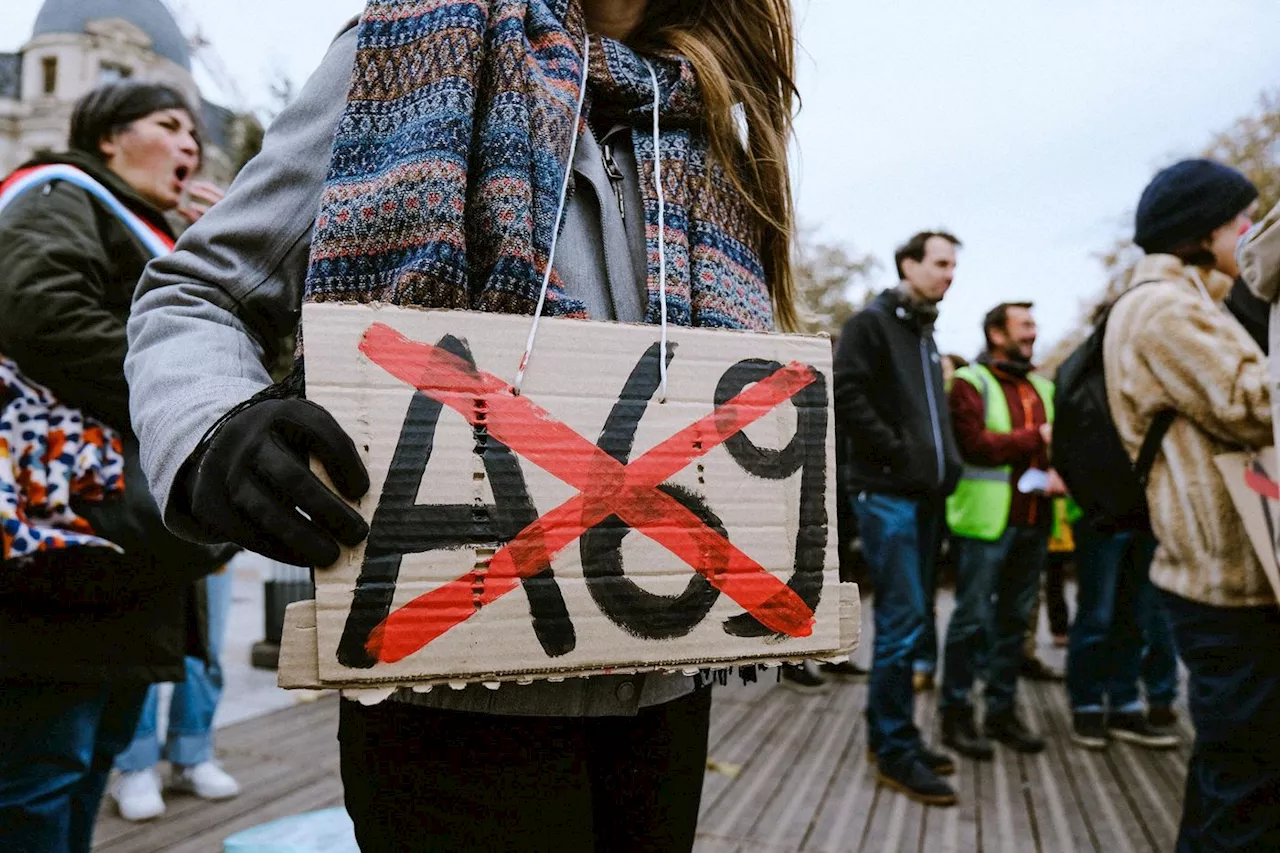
903,462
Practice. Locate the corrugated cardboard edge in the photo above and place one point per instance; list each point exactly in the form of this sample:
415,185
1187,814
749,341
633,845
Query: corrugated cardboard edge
299,664
850,619
300,660
1249,506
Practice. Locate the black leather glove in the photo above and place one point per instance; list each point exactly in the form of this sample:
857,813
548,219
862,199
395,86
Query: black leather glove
253,484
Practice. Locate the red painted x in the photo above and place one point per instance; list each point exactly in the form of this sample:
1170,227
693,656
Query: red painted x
1255,477
606,488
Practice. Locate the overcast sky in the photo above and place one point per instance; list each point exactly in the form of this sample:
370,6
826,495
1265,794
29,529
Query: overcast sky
1028,128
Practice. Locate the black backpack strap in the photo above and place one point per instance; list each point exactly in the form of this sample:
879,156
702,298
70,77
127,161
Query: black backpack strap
1151,445
1159,424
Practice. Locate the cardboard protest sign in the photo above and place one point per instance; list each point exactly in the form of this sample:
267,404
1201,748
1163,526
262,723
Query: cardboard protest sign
583,526
1251,479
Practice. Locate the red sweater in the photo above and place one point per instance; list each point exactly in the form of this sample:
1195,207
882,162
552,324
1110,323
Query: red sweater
1021,449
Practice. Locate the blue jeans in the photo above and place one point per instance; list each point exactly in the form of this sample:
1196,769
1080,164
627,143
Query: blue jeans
57,742
997,587
926,656
1233,778
1121,634
1160,658
189,740
900,543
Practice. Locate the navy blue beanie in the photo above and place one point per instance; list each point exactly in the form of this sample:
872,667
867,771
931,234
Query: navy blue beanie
1188,201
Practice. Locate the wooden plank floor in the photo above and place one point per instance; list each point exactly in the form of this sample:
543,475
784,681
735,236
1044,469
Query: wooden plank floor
789,773
286,763
802,784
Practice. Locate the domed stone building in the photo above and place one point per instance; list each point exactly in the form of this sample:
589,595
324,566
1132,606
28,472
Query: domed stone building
77,44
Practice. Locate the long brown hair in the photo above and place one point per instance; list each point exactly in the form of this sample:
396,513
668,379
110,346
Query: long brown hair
743,52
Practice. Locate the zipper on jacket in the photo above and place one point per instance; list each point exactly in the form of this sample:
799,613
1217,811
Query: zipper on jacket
934,418
616,177
568,201
608,256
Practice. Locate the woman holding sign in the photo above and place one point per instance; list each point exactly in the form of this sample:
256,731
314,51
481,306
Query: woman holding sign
499,157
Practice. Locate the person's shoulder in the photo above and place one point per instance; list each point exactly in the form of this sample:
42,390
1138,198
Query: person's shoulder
1143,302
332,79
1164,305
971,377
862,332
872,315
1158,290
55,203
966,390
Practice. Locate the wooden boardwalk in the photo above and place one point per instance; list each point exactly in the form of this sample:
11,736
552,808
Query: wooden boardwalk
805,785
286,763
802,784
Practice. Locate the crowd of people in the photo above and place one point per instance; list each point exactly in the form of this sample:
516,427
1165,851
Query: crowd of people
142,431
1180,362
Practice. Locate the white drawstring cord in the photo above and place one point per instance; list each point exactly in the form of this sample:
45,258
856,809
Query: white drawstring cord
555,233
564,195
662,226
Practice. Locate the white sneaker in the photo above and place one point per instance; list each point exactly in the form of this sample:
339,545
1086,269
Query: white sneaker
137,795
205,780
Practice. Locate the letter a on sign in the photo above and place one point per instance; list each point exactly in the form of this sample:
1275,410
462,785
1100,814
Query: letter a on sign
582,526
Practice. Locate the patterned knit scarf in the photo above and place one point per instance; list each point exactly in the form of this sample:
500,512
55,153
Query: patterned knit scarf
448,163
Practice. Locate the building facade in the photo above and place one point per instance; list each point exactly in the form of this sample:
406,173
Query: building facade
78,44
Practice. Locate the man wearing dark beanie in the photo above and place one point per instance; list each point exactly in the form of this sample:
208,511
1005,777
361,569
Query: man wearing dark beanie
1170,346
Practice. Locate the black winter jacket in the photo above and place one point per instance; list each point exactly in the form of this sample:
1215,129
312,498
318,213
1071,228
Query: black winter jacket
68,270
1252,313
891,410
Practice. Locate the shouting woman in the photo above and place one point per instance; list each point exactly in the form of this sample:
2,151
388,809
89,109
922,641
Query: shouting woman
96,598
458,130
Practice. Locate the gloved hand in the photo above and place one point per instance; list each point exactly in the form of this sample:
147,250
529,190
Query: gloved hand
253,483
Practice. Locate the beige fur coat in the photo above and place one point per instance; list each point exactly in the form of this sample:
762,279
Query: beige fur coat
1170,346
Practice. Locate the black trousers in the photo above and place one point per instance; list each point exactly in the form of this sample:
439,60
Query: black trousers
419,779
1233,778
1055,596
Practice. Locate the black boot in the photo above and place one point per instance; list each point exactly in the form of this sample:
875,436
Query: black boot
1035,669
1134,727
1162,716
847,671
803,678
910,776
938,762
1089,729
1009,730
960,734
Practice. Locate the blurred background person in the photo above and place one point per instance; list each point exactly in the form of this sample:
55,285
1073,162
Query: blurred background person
1117,642
188,745
85,629
1062,551
1170,346
1000,522
891,405
950,364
